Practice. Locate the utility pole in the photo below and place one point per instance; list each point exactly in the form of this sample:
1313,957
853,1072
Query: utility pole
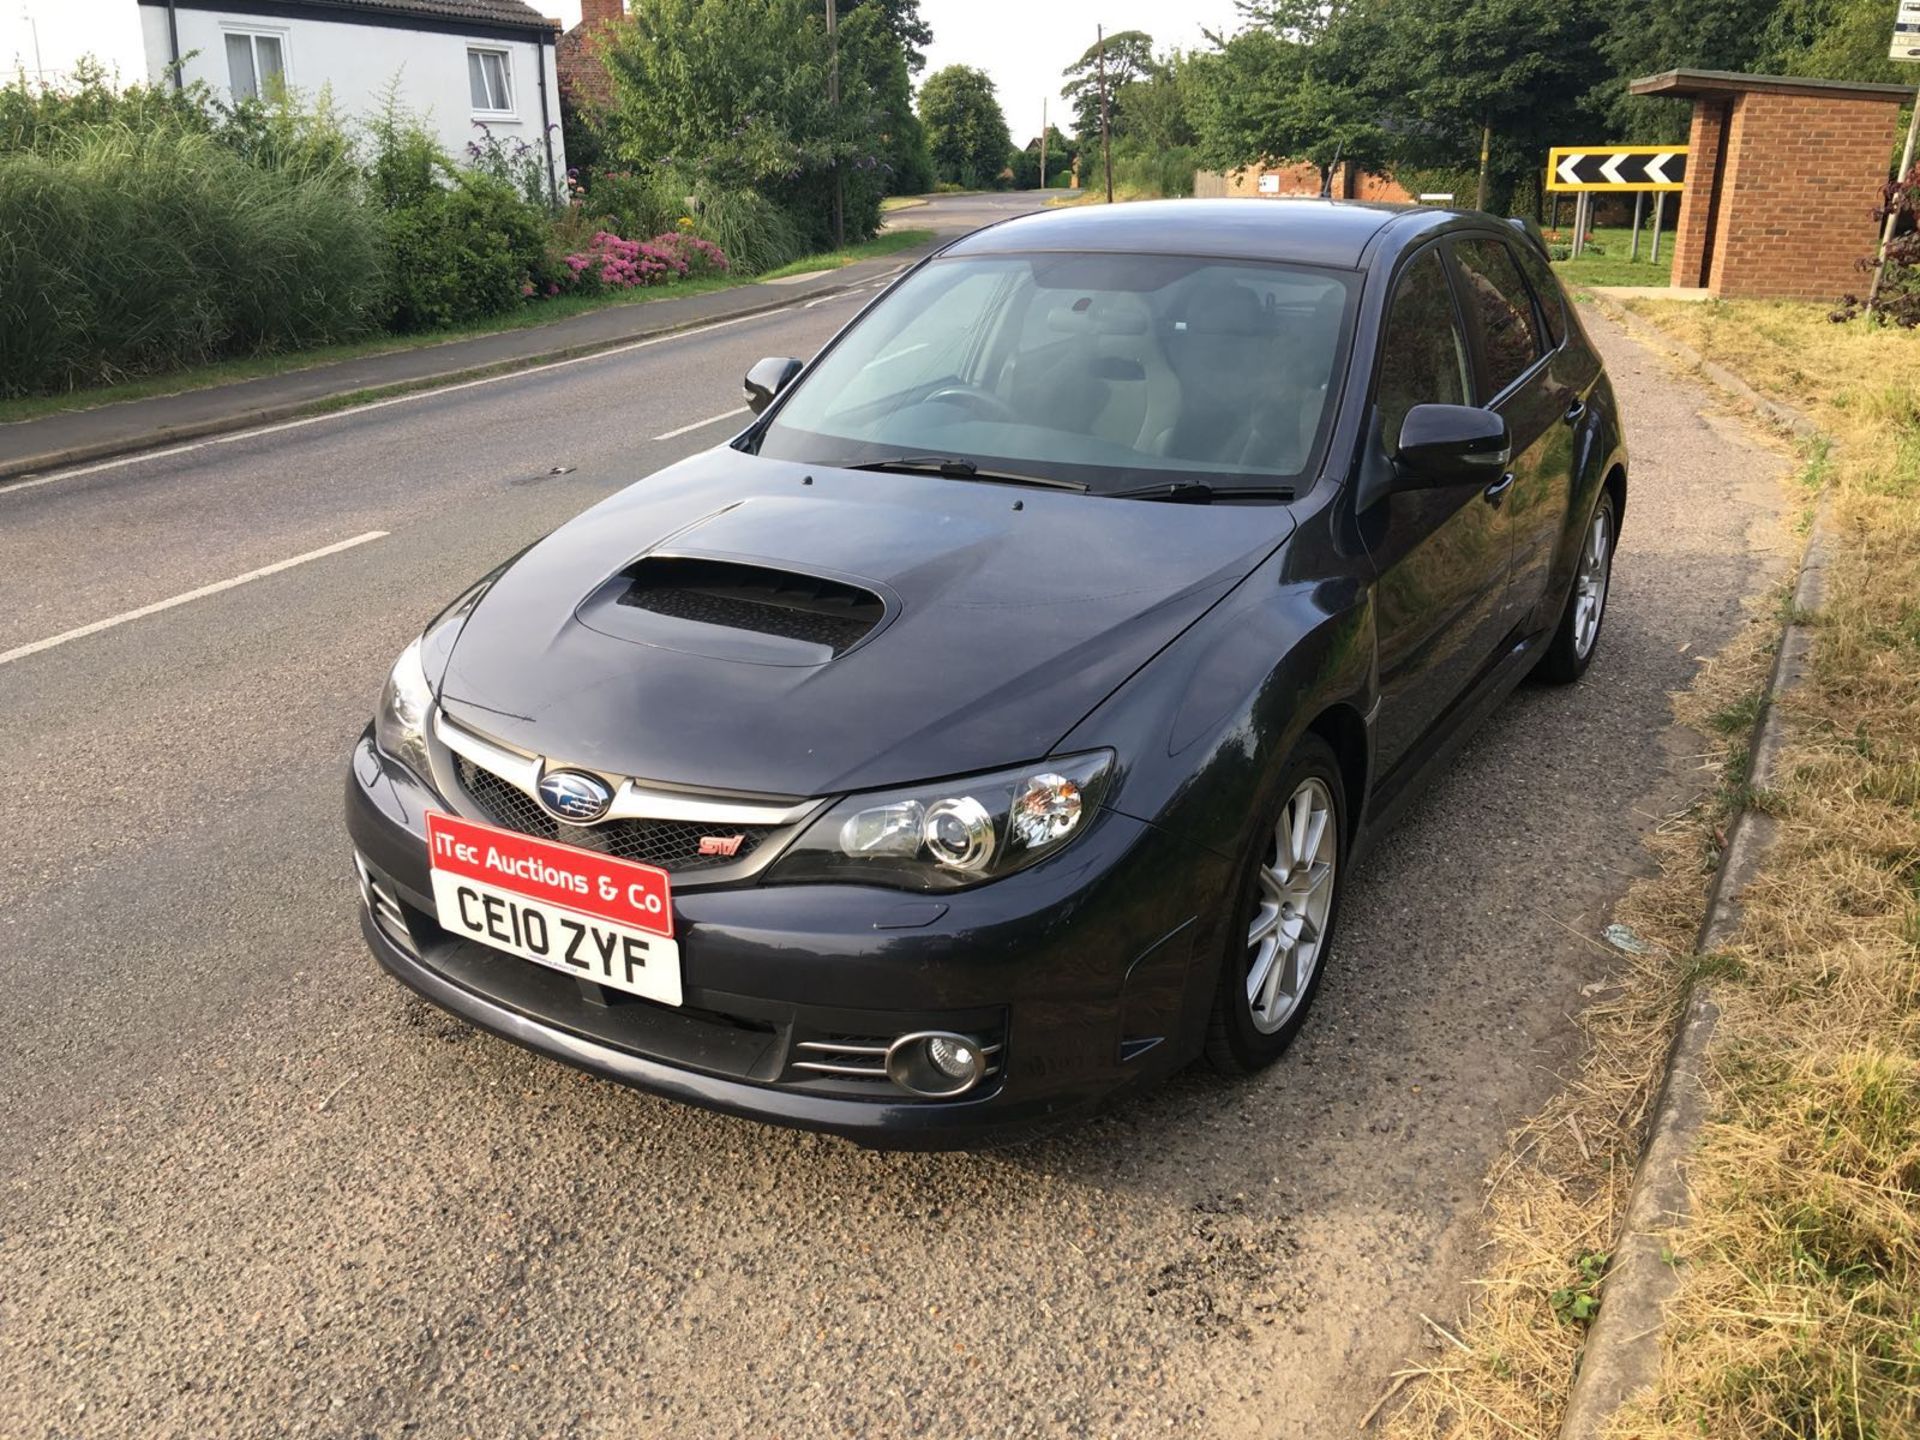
833,99
1043,142
1106,141
39,70
1486,148
1893,207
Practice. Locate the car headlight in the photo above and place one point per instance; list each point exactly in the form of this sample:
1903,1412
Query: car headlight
953,833
400,724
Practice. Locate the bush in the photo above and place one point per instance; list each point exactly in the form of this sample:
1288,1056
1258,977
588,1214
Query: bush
463,251
609,263
755,233
636,202
1140,171
124,253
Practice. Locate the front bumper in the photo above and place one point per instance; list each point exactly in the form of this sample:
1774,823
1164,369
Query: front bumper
1087,970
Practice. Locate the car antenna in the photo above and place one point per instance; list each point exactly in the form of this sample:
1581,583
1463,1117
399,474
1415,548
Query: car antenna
1326,181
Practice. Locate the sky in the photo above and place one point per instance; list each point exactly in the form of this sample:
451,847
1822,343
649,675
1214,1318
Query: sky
1025,44
1022,44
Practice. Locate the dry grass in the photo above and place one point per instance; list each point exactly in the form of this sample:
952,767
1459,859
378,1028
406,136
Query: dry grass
1554,1202
1801,1312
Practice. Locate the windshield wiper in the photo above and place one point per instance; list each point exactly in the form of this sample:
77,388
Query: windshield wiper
1198,492
954,468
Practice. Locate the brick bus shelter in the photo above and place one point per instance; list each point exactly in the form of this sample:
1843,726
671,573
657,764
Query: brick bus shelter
1783,174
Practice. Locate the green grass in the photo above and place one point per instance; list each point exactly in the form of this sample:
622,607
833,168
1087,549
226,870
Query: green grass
901,202
1611,266
546,312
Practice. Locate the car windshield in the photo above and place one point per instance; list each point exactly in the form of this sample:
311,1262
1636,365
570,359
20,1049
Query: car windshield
1112,371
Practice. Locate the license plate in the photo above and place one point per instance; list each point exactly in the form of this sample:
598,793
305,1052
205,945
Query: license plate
572,910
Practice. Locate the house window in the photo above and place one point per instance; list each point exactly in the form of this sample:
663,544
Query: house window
256,65
491,80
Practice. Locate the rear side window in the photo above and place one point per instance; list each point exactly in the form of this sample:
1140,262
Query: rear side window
1423,354
1546,290
1501,302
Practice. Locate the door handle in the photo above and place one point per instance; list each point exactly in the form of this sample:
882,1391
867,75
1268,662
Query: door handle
1575,411
1497,491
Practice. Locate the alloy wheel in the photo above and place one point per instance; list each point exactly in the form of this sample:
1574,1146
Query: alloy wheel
1590,585
1295,902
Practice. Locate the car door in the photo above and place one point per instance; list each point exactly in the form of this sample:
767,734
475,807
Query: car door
1441,554
1516,354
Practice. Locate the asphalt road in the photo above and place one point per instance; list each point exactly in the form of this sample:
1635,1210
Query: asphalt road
252,1188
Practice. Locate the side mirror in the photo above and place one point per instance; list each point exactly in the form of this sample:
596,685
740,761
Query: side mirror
768,378
1450,445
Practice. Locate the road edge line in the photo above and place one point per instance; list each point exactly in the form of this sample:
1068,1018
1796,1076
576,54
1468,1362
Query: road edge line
1622,1355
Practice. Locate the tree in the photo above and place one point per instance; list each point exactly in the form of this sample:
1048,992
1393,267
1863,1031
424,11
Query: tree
966,132
911,33
1129,57
1833,40
1643,37
733,95
1467,78
1026,163
1270,95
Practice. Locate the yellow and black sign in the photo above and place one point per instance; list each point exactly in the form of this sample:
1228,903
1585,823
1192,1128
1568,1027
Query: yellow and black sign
1620,168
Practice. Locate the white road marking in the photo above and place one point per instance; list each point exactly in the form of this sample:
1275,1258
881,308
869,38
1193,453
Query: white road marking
10,487
702,424
20,652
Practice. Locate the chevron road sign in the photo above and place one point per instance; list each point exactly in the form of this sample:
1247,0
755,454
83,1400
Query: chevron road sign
1620,168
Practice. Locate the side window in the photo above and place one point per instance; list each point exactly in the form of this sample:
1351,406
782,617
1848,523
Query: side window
1423,355
1501,302
1546,290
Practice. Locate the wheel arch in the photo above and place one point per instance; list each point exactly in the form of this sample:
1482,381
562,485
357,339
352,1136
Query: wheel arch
1345,731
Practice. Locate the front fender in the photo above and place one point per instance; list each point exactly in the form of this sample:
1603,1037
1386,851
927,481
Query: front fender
1203,729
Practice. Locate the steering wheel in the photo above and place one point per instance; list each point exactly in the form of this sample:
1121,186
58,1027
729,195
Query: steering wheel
983,403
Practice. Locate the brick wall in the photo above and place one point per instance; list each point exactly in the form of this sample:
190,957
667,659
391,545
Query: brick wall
1703,154
582,76
1801,178
1349,183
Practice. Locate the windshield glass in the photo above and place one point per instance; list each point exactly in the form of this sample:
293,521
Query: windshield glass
1112,370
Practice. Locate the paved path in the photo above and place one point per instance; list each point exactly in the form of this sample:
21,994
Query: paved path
251,1188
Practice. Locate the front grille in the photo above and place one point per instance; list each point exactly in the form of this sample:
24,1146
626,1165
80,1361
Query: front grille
670,844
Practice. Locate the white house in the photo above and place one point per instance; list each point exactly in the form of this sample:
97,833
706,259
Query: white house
459,63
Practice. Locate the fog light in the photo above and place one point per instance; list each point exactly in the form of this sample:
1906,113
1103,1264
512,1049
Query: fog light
936,1063
953,1056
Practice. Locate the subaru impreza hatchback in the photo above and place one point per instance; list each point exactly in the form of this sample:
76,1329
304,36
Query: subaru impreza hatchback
992,724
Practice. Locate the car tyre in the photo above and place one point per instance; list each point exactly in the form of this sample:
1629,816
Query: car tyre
1578,637
1286,905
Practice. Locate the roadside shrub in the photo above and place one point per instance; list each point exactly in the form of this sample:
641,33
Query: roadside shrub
610,263
463,251
519,163
1138,170
755,233
125,252
636,202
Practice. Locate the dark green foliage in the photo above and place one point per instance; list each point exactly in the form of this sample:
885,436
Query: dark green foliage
1128,58
966,131
125,252
733,96
463,251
